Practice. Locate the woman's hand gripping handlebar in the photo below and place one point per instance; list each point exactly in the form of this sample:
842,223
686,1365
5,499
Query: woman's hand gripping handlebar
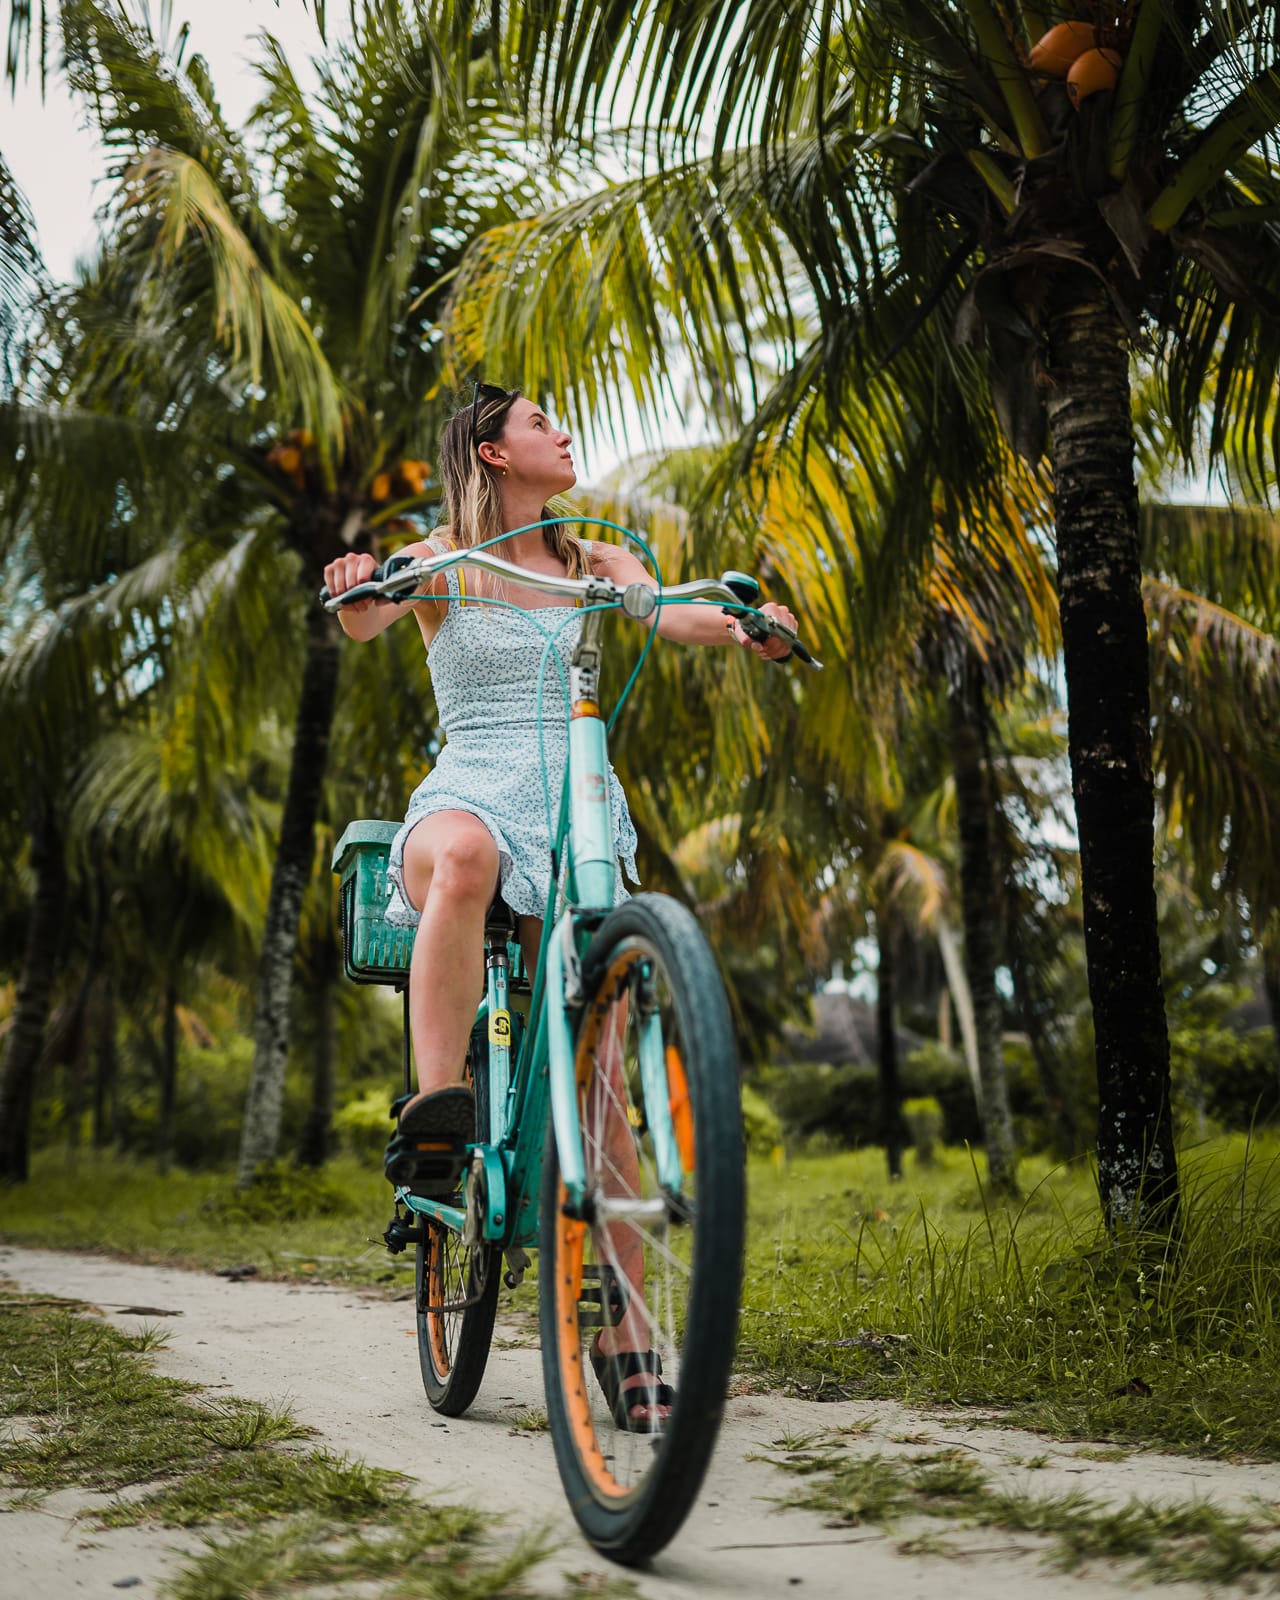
402,576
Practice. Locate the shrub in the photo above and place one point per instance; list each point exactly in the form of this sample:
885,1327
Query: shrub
924,1118
279,1190
363,1125
760,1123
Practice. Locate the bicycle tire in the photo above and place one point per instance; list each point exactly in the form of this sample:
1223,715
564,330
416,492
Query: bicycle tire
456,1289
631,1491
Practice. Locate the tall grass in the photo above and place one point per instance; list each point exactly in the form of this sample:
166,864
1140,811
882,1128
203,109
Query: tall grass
927,1291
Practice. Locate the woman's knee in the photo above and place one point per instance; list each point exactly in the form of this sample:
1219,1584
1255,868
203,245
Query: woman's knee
463,865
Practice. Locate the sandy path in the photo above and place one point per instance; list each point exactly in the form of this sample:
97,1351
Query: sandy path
347,1366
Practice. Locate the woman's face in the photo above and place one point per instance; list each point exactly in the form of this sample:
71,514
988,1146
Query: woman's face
533,451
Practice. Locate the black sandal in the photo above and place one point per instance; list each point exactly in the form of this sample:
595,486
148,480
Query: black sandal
428,1151
613,1371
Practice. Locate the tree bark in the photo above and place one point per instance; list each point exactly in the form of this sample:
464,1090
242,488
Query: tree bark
313,1150
77,1035
979,904
106,1068
168,1075
1271,986
1035,1012
1104,636
25,1043
260,1137
893,1128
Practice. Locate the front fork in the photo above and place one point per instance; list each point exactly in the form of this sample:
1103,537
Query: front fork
564,984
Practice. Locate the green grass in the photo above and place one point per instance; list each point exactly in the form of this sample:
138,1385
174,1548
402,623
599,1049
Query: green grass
921,1291
917,1290
1193,1542
325,1227
94,1413
85,1408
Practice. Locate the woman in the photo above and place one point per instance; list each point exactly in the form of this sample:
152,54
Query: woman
478,820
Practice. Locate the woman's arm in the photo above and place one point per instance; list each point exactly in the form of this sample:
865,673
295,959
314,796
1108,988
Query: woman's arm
366,619
690,624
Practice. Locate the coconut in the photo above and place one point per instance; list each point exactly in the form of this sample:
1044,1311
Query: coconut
1053,55
1095,72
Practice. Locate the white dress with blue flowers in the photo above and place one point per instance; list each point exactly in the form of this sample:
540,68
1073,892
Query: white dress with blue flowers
485,663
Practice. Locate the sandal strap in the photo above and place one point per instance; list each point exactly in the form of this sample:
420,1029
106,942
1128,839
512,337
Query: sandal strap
651,1396
633,1364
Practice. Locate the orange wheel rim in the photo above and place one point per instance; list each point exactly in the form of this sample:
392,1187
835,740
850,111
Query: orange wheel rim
681,1109
435,1297
571,1237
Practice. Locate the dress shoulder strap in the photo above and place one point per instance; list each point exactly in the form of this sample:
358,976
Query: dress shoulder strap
454,586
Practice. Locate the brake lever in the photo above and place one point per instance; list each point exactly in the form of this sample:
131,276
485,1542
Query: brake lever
759,631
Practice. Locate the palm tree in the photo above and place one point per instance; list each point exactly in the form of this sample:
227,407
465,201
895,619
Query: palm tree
986,604
282,291
1212,585
972,235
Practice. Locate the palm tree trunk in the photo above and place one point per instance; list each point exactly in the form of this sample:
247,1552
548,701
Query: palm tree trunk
892,1124
1104,637
168,1075
980,910
25,1042
1271,985
313,1150
1035,1013
106,1068
962,997
295,857
77,1047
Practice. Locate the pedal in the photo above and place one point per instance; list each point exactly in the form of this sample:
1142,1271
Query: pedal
608,1294
517,1265
399,1234
429,1167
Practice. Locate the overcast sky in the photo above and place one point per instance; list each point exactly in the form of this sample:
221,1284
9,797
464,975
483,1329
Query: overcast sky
60,167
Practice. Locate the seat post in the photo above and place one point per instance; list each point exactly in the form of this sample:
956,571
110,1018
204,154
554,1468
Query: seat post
407,1048
499,929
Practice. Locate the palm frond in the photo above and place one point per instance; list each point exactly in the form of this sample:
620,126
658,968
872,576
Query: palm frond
256,319
913,882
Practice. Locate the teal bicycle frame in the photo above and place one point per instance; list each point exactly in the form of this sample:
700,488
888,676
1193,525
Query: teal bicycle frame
508,1161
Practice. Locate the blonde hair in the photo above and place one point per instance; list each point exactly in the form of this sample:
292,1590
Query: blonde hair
472,498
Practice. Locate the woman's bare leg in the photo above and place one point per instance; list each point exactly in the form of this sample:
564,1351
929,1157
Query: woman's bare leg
450,873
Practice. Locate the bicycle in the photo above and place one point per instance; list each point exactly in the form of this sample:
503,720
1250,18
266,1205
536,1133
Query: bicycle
609,1127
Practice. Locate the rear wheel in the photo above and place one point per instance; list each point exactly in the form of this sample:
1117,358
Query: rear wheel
659,1267
457,1288
457,1294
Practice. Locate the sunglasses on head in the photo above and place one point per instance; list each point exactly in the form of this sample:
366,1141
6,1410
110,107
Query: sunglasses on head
489,393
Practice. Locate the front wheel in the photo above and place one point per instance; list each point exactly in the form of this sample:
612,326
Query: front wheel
658,1269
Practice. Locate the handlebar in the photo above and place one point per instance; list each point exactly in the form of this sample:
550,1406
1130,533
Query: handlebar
400,575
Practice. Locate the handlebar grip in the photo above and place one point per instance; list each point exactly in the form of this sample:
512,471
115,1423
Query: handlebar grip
375,576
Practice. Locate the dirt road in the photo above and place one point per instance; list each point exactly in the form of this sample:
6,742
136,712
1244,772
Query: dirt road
347,1366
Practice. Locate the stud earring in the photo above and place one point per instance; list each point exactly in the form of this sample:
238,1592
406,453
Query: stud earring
504,472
